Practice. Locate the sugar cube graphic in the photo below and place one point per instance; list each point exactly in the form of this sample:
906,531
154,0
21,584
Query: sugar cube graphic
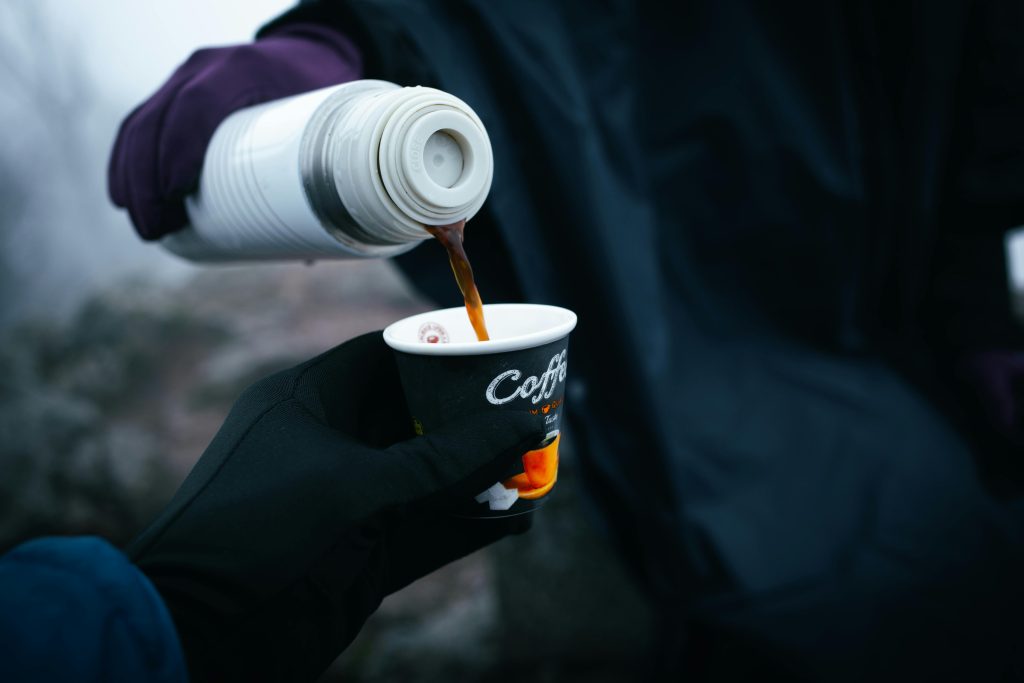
498,498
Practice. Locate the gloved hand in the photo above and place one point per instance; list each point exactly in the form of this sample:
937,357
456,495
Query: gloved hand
308,508
159,149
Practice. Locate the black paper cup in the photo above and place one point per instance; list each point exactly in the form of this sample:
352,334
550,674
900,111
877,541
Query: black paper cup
446,373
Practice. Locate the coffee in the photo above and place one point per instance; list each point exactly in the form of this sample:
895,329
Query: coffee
451,237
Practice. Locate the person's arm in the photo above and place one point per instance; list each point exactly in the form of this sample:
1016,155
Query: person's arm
971,296
76,609
158,153
387,51
986,191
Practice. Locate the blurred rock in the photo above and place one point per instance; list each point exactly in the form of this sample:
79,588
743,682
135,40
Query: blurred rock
568,610
102,416
443,627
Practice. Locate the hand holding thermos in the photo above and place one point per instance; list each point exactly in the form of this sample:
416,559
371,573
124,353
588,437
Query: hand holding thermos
159,150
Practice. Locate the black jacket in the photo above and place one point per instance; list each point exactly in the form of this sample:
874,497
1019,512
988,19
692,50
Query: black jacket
775,222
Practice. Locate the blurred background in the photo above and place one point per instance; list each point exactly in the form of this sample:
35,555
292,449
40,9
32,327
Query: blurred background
118,361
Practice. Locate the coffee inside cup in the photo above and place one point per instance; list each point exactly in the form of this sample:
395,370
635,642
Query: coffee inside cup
448,332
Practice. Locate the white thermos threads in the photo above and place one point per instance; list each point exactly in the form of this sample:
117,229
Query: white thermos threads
349,171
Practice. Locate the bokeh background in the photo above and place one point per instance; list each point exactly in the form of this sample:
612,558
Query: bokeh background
118,361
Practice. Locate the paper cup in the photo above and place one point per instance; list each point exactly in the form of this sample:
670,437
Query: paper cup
446,373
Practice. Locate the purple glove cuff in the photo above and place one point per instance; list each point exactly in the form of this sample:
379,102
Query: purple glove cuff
159,150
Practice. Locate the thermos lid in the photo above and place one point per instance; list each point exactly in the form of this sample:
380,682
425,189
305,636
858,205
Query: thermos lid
443,158
434,157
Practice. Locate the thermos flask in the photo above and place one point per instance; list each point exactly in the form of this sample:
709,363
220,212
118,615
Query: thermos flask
349,171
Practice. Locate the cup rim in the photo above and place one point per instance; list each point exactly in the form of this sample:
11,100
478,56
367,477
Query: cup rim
477,348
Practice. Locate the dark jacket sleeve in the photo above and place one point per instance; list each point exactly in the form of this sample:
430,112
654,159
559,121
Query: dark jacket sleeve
75,609
335,15
987,189
386,51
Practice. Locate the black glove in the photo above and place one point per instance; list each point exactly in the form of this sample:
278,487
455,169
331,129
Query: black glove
308,508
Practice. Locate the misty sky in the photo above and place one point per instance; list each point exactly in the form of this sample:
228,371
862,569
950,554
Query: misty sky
133,45
69,72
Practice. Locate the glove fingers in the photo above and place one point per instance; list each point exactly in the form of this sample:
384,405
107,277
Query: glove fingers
119,167
241,76
133,167
462,457
134,172
355,389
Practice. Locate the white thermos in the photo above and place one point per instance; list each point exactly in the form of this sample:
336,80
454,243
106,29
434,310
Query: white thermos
353,170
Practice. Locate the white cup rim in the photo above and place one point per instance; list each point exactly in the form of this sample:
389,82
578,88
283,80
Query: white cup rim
566,322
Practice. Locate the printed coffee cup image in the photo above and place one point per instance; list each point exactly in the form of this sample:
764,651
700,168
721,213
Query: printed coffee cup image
446,373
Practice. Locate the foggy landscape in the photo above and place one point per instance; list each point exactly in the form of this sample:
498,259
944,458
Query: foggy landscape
119,361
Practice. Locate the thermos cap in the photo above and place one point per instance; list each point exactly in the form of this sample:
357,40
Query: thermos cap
440,163
434,160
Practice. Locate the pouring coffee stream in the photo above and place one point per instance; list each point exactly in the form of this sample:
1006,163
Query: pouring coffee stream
451,237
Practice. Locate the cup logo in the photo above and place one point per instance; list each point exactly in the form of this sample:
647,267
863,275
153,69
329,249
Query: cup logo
533,387
432,333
